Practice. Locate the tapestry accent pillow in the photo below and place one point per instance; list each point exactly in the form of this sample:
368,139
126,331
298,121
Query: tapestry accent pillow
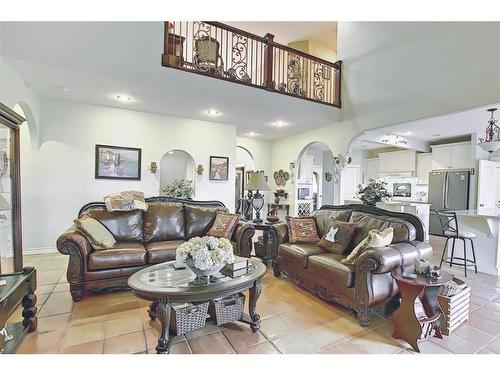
338,236
126,201
302,230
98,235
224,225
375,239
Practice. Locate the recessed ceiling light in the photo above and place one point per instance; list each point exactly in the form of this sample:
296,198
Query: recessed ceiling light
252,134
279,124
123,98
436,135
170,152
62,88
213,112
408,133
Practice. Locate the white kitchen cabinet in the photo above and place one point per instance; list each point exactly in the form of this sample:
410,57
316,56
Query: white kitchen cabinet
371,170
349,181
397,162
424,166
452,156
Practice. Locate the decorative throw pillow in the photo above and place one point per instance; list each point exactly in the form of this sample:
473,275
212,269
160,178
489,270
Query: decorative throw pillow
337,237
374,239
126,201
224,225
302,230
99,236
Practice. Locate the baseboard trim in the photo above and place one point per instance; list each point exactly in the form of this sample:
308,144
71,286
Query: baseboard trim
39,250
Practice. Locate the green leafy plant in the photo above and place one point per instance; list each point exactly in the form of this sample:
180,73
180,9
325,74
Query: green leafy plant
374,192
179,189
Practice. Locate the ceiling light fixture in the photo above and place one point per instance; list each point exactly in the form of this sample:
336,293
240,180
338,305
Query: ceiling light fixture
62,88
408,133
491,142
279,124
436,135
252,134
213,113
123,98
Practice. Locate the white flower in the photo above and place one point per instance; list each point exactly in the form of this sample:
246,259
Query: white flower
206,252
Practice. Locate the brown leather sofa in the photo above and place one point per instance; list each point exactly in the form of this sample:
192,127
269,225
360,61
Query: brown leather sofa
143,238
367,286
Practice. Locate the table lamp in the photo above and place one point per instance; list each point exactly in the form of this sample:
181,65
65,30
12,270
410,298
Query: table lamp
257,182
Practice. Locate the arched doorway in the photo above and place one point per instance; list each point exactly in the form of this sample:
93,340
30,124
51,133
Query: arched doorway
314,179
177,168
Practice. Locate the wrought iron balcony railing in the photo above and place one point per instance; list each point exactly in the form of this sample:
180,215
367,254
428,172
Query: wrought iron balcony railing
225,52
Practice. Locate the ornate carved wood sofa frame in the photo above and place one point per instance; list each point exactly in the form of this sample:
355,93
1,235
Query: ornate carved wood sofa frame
367,286
143,238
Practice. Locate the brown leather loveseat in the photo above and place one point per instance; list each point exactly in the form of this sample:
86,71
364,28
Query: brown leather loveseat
143,238
367,286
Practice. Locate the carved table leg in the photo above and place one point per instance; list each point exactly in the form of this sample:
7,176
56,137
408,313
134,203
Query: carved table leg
152,310
406,325
163,315
30,320
265,244
431,308
254,294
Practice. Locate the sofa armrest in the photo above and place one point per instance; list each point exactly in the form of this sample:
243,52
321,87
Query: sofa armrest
282,233
396,255
78,247
243,235
373,282
73,239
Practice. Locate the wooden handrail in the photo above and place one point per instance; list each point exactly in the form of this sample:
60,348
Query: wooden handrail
336,64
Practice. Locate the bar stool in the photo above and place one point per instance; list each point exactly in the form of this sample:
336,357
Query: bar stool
449,225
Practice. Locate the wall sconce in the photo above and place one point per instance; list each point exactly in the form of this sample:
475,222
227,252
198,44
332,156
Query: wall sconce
200,169
153,167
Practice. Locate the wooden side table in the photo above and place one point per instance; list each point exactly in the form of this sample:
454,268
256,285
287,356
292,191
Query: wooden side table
269,241
410,325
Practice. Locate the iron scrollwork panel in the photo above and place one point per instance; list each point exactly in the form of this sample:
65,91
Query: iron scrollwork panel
239,59
294,75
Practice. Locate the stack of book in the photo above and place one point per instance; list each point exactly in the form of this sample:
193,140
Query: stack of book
238,268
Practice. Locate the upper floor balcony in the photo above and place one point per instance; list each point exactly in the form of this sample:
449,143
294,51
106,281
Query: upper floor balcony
228,53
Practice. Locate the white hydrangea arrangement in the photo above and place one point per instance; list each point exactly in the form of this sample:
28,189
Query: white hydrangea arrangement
206,252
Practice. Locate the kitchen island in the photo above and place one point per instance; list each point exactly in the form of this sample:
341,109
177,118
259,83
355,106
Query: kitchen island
485,223
418,208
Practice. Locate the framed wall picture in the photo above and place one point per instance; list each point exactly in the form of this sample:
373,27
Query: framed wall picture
219,168
117,163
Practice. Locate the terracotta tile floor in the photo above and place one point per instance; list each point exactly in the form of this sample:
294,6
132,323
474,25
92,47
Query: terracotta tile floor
293,321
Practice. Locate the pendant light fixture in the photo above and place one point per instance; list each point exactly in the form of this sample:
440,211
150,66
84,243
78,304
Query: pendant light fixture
491,142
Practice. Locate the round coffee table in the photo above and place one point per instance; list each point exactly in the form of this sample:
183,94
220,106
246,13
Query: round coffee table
163,285
410,325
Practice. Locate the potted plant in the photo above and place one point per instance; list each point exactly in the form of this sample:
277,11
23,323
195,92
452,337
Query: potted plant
374,192
205,256
178,189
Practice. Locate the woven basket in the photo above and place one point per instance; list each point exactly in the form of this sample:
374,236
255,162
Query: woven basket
227,310
187,317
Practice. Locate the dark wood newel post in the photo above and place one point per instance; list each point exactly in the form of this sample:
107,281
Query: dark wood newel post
268,61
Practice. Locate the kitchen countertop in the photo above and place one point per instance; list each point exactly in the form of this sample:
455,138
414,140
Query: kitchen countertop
490,213
396,202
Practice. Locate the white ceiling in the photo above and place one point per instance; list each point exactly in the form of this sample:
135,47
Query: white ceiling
433,129
96,60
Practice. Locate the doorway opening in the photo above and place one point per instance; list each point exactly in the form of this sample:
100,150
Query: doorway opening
314,183
245,164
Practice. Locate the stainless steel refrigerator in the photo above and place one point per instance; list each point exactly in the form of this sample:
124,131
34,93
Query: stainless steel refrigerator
448,190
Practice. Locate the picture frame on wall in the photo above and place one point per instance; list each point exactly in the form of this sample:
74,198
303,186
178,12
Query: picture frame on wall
117,162
219,168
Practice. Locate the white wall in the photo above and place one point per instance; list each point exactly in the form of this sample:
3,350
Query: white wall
60,173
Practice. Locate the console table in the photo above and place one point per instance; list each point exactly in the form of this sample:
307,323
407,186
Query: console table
409,325
19,290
